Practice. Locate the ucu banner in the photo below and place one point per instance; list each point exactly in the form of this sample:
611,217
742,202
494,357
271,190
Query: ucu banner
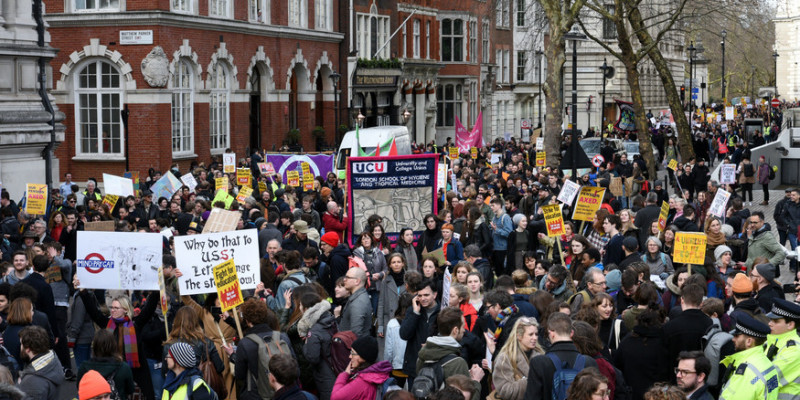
372,167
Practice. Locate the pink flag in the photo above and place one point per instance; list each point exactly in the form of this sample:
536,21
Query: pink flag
465,139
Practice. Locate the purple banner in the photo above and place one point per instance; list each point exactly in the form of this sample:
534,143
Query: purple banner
320,164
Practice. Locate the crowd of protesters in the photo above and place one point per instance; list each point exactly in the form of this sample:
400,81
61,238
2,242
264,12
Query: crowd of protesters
482,295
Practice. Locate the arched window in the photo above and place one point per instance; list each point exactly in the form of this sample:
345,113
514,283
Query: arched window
98,124
219,104
182,109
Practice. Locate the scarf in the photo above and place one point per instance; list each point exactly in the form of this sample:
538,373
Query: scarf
503,317
399,278
715,239
128,333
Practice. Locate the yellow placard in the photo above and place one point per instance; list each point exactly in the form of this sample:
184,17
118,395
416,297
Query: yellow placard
673,164
36,199
473,152
224,197
589,201
227,281
308,182
244,193
221,183
243,177
293,178
690,248
541,158
453,152
306,169
662,217
162,288
553,219
262,187
110,200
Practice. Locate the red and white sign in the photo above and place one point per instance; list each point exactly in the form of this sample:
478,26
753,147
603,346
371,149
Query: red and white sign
598,160
776,103
526,124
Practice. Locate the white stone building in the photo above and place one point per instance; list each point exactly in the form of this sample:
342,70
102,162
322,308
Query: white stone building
787,29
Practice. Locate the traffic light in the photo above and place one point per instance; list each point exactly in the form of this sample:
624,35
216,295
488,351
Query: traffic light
683,94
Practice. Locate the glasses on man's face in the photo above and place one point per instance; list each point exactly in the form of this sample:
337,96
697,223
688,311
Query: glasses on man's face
72,201
684,372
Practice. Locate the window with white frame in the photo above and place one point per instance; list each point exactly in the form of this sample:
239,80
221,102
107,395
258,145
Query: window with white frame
522,61
428,39
473,41
372,31
452,40
485,41
323,10
98,123
609,28
219,8
260,11
417,27
521,8
184,6
501,13
498,60
97,5
473,103
506,66
182,109
219,107
448,104
298,13
405,41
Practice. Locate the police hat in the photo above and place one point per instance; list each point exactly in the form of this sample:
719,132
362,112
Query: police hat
747,325
784,309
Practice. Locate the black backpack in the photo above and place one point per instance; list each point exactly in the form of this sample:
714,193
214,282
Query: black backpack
114,394
749,170
430,377
772,172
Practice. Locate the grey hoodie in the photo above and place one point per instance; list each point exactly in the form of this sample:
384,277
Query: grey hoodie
42,378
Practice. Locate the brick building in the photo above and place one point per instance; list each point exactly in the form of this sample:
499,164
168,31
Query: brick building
195,77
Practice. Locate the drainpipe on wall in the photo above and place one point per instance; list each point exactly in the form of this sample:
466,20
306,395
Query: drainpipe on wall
47,153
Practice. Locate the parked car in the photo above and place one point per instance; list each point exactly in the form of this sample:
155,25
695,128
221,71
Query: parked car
632,148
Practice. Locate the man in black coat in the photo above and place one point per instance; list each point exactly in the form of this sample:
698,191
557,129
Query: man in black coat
646,216
542,369
700,174
685,332
418,325
45,302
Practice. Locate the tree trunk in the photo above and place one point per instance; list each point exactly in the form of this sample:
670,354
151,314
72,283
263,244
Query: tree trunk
555,102
674,99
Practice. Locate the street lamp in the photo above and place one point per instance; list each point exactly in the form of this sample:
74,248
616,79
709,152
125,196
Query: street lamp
775,55
606,69
406,115
539,54
335,80
692,51
724,95
360,118
576,36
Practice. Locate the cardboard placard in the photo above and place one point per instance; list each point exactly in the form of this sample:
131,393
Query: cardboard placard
227,281
134,177
293,178
616,186
662,216
717,207
589,201
118,185
473,152
568,192
110,200
727,173
308,182
118,260
220,220
224,197
99,226
36,199
553,219
541,159
539,143
198,254
229,163
221,183
243,176
189,181
690,248
244,193
262,187
673,164
306,168
447,281
453,152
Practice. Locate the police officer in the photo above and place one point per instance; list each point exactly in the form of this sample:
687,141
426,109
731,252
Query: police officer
749,374
783,346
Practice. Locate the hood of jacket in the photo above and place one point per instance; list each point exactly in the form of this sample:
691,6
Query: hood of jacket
47,367
11,392
750,304
311,316
376,373
439,346
672,286
341,251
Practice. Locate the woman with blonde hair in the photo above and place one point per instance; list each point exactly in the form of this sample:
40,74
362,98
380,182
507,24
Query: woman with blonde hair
512,363
186,328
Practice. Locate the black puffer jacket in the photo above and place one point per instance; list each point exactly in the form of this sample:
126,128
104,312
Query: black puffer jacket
317,348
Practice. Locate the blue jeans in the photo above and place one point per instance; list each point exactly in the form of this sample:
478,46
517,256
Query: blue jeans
82,352
155,376
793,242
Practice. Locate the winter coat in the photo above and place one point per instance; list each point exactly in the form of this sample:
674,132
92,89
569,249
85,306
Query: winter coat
747,179
362,385
357,314
216,331
10,392
763,173
80,328
764,244
751,308
510,383
411,256
485,269
455,251
660,264
415,330
791,216
427,241
767,294
388,301
481,236
123,377
246,356
436,348
542,369
643,359
338,263
315,325
376,264
395,348
42,383
511,259
685,332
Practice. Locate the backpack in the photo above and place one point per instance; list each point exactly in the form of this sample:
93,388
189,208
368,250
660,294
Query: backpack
276,345
563,377
711,344
430,378
772,172
214,380
341,344
389,385
114,394
749,170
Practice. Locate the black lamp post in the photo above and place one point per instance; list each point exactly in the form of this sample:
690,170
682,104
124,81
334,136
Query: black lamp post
539,54
576,36
724,86
335,80
692,50
605,68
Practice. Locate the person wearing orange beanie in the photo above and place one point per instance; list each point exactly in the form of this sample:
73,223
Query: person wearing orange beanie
743,301
93,386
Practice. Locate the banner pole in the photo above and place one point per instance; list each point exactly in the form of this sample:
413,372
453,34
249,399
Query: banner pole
236,318
560,253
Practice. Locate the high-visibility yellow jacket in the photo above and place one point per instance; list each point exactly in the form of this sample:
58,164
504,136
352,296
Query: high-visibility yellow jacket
784,351
749,375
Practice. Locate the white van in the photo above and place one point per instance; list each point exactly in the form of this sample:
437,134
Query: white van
370,138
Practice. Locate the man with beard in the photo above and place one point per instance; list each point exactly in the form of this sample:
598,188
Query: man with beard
691,373
42,377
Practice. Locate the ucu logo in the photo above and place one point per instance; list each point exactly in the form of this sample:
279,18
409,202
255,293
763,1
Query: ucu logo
370,167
